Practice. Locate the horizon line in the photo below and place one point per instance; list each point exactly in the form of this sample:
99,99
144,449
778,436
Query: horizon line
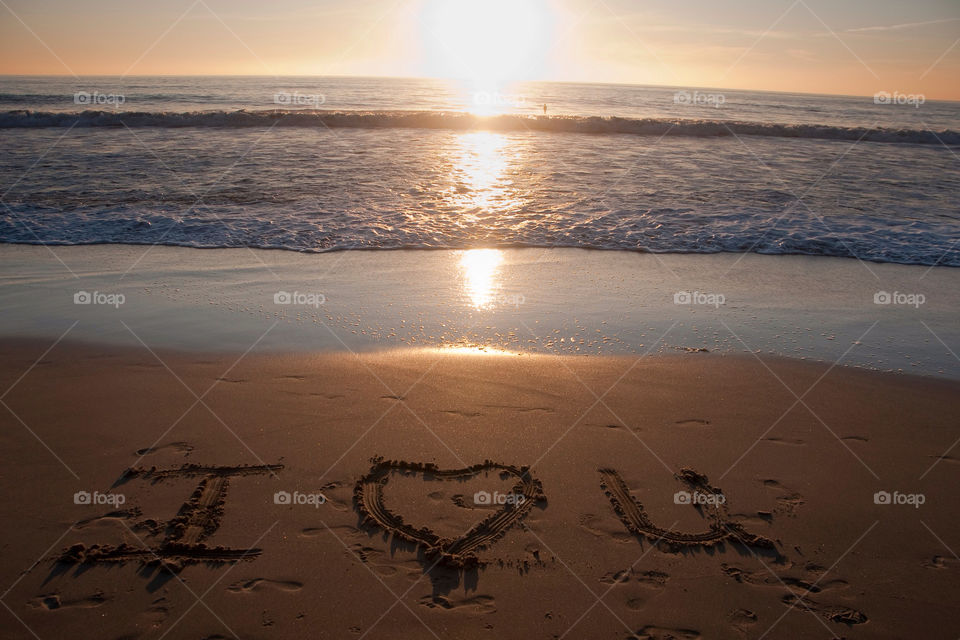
440,79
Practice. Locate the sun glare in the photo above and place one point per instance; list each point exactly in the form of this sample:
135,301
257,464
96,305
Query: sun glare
487,42
481,166
479,268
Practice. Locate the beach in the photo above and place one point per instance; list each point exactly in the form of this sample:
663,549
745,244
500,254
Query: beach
301,356
199,459
799,473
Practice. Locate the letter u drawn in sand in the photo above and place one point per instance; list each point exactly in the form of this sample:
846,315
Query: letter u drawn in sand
635,517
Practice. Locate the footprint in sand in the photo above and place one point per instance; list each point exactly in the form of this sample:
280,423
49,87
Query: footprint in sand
177,447
612,427
742,620
156,614
53,601
651,632
636,588
313,532
792,442
807,582
259,584
314,394
798,589
337,495
834,613
520,409
940,562
462,414
381,562
650,579
593,524
478,604
789,501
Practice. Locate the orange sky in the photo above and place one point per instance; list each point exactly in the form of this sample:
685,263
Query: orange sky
861,47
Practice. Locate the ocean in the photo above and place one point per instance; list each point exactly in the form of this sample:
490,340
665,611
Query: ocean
325,164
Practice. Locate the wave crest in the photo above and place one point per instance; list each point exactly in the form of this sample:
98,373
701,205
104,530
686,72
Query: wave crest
460,121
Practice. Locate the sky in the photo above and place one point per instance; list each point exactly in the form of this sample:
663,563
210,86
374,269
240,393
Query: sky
854,47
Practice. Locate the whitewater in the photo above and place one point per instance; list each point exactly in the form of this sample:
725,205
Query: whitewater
328,164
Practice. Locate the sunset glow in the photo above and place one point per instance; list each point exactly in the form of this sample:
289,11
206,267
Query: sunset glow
850,48
487,42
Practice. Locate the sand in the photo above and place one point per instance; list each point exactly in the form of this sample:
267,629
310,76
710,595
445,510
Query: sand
322,495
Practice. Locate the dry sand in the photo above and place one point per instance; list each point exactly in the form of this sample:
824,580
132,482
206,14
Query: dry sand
399,443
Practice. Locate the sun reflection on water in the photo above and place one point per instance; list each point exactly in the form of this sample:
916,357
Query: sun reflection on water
480,268
482,185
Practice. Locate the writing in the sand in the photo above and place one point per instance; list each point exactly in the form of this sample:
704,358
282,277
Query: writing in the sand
181,540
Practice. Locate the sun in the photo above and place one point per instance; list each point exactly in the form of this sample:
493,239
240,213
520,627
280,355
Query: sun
489,43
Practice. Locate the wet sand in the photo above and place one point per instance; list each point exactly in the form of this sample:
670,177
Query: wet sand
551,301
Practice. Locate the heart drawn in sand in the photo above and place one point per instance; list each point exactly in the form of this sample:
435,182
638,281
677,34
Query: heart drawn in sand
460,551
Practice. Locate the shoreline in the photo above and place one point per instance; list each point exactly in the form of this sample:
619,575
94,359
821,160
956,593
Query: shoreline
499,247
563,301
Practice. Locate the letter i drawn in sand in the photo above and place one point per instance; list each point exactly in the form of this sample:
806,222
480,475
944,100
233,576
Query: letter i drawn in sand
184,535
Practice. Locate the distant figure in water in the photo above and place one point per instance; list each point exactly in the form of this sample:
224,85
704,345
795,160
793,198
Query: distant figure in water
544,108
